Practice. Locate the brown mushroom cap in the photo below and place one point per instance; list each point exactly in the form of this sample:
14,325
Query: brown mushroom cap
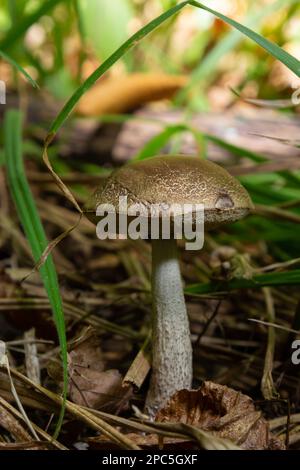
179,179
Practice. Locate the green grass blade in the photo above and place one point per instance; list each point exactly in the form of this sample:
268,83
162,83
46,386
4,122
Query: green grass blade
33,229
19,68
257,282
24,24
206,69
156,143
111,60
291,62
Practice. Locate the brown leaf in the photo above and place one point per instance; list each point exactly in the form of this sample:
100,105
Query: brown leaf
85,352
89,383
222,411
95,389
122,94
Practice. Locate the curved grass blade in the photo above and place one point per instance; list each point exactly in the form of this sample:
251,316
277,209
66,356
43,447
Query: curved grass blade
154,146
291,62
293,143
23,25
205,71
18,67
34,231
272,104
272,48
257,282
106,65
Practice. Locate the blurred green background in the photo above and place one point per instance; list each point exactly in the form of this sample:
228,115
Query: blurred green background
61,42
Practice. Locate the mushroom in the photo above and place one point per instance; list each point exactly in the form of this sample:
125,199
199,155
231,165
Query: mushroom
164,181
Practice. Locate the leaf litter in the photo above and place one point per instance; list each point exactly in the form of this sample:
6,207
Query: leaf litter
222,411
90,384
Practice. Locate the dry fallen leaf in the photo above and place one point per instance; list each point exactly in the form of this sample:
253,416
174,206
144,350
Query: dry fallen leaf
222,411
89,384
123,94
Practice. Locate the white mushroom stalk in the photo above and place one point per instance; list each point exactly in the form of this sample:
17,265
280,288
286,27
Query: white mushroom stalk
171,343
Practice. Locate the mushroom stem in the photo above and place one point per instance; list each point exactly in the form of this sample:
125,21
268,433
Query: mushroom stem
171,342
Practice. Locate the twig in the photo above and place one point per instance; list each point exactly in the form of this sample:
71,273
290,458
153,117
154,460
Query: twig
86,416
140,367
267,384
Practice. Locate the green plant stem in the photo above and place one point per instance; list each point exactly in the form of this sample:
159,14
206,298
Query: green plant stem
34,231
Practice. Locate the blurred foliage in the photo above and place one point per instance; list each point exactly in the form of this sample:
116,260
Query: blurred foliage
60,43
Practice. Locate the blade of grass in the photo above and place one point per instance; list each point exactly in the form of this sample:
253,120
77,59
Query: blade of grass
206,69
293,143
267,386
291,62
82,414
68,107
34,231
159,142
261,280
106,65
272,48
19,68
273,104
154,145
83,38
